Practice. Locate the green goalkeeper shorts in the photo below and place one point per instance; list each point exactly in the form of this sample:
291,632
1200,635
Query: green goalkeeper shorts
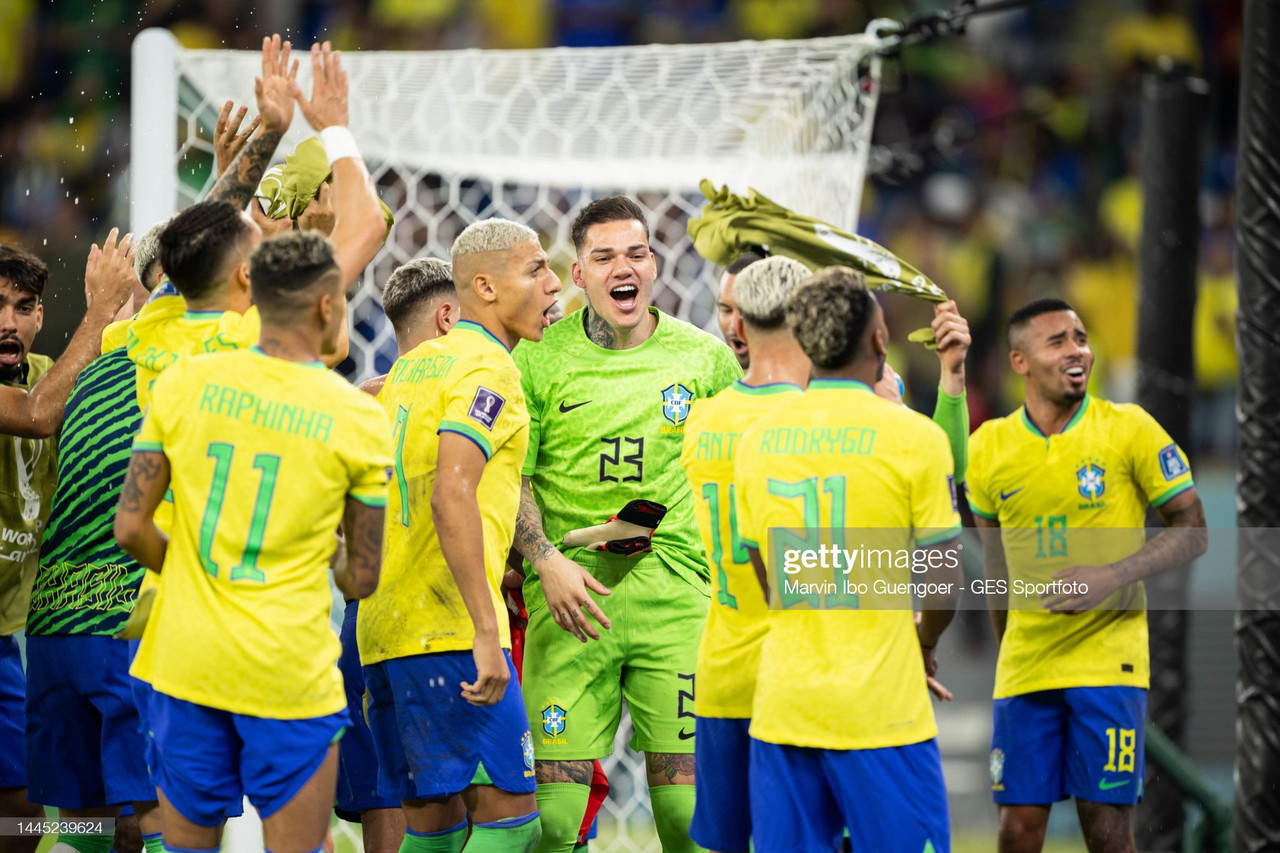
573,691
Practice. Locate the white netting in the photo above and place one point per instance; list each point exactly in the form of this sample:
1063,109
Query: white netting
455,136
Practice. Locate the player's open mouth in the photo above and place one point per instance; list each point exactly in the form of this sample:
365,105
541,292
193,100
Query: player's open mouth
10,352
546,316
1075,372
626,296
739,347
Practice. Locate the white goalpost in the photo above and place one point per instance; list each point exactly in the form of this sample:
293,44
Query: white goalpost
534,135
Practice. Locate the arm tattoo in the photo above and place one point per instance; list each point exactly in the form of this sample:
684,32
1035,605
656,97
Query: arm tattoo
143,467
598,331
573,772
364,553
239,182
1185,539
669,764
531,541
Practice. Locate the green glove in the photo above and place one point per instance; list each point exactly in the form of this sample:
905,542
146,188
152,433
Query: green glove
731,224
288,189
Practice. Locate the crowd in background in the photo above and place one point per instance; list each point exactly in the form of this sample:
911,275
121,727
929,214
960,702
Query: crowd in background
1006,162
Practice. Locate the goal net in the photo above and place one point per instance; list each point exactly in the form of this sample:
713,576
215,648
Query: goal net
451,137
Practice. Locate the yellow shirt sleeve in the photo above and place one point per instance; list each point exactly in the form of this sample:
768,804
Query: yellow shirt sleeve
1160,467
479,407
977,483
934,508
368,457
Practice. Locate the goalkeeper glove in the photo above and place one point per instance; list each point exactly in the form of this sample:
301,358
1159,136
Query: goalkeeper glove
628,533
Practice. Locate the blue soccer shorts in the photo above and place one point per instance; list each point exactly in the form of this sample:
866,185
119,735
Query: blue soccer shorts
357,763
1082,742
722,804
13,716
893,798
206,760
433,743
84,737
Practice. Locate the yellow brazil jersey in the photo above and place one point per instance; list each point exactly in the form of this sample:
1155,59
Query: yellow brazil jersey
165,331
467,383
839,457
1100,472
729,653
262,453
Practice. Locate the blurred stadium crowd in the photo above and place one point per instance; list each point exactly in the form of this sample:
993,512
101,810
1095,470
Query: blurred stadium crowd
1005,163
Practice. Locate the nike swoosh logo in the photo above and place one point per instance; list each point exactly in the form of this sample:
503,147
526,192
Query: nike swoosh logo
564,408
1004,496
683,735
1104,785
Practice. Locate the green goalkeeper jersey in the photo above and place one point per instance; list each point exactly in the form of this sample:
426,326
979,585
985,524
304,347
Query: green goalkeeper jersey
606,427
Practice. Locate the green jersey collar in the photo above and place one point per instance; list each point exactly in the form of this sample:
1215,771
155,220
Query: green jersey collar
839,384
1075,419
764,390
473,326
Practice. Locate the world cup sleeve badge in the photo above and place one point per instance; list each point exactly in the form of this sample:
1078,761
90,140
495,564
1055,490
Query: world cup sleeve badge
1171,464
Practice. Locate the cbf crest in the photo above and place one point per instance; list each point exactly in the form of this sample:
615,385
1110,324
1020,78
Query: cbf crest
553,720
675,403
526,746
996,766
1091,480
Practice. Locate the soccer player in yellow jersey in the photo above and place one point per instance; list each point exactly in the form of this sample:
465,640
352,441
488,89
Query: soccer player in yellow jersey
842,731
265,451
445,707
1071,680
422,304
729,653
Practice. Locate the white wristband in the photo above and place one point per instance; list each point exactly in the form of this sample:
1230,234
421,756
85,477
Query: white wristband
338,143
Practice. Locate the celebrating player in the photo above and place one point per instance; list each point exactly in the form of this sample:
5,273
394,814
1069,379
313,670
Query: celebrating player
239,648
461,434
729,653
865,757
727,313
28,473
422,304
1070,694
609,389
35,411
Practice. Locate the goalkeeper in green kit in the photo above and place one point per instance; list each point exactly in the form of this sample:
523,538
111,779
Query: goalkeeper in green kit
608,390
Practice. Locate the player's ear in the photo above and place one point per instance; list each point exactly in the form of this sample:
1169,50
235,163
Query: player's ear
240,276
482,283
1018,361
39,315
324,308
446,316
880,341
575,272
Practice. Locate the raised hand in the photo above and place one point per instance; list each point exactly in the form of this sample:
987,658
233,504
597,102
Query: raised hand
327,106
228,140
952,334
319,214
273,89
109,278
